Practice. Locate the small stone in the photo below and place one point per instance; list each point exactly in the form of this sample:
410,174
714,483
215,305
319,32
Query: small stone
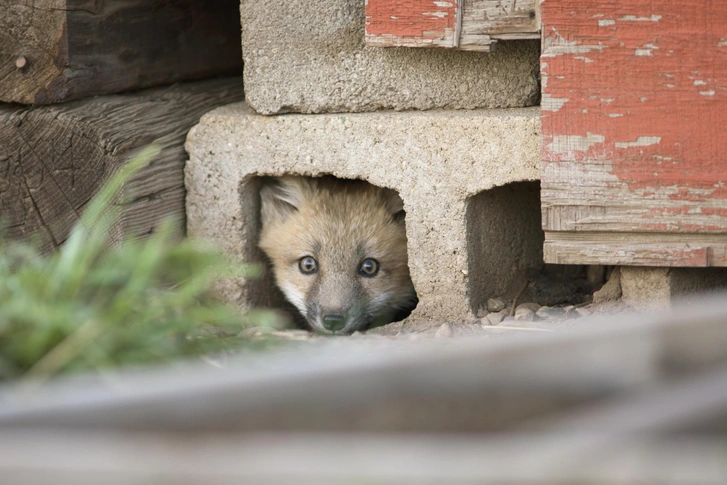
570,311
494,318
530,306
481,312
524,314
495,304
550,312
256,331
508,319
21,62
445,331
584,311
292,334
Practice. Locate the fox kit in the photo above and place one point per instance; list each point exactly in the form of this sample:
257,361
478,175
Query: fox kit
338,250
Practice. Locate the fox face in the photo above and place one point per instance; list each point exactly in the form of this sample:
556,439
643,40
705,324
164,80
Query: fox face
338,251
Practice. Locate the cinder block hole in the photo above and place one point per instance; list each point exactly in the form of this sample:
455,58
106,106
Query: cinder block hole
504,244
263,291
504,240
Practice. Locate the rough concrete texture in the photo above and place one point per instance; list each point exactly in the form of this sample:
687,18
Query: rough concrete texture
657,289
611,291
309,57
438,161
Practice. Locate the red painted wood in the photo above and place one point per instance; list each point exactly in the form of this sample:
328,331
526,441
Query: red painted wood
411,21
638,87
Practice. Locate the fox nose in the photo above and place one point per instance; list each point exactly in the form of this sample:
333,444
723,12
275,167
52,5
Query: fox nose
334,323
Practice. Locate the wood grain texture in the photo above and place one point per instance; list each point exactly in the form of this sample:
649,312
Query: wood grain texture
486,21
465,24
38,35
636,249
78,48
634,107
54,159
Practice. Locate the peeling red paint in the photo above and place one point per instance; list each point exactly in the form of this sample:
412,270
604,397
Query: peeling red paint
656,227
413,19
645,83
663,67
710,211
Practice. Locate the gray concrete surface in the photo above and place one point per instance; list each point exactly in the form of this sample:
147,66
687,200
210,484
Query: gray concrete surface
438,161
657,289
309,56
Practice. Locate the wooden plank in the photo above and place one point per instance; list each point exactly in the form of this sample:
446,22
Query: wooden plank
486,21
412,23
634,95
54,159
69,457
465,24
640,249
595,200
58,50
466,386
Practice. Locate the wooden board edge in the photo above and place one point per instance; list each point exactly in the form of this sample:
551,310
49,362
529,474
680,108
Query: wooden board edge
636,249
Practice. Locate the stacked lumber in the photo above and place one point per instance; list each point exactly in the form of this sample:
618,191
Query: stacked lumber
629,402
63,141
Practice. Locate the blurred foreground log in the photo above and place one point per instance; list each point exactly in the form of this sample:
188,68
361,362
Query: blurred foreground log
113,458
632,402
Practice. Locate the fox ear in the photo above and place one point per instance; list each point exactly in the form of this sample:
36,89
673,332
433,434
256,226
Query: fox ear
283,196
394,204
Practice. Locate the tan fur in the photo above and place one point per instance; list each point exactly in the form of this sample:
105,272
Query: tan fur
339,223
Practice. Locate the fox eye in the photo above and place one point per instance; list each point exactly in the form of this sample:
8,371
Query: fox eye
307,265
369,267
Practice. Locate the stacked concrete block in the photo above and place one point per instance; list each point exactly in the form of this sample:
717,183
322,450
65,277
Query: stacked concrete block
661,289
309,57
464,243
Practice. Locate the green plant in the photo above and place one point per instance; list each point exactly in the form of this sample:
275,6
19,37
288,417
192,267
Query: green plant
93,304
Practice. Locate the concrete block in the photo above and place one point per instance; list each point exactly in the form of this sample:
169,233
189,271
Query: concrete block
467,179
309,56
660,289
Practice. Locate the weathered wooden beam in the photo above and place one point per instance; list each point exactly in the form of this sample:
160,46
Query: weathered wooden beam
57,50
636,248
53,159
634,101
474,25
